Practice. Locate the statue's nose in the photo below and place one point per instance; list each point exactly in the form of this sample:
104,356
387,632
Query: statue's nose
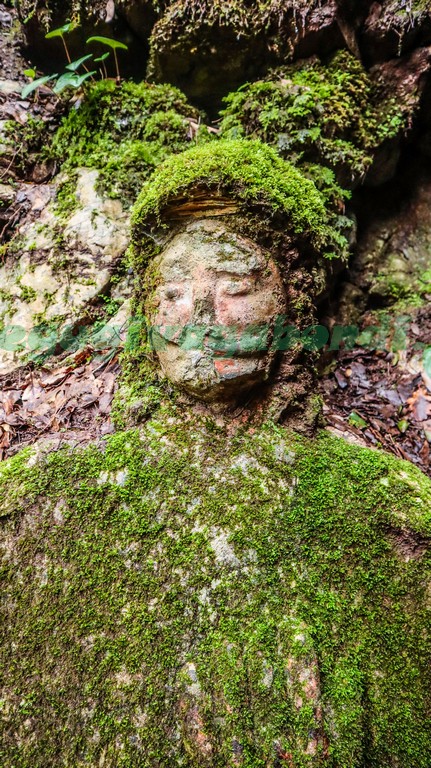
203,308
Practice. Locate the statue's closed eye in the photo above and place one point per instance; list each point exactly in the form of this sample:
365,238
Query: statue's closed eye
237,286
172,293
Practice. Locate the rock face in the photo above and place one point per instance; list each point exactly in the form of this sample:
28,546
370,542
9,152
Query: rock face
60,261
192,597
393,256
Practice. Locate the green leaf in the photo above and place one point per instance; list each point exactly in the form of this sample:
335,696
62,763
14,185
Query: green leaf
74,65
103,57
403,425
30,87
60,31
355,420
64,81
71,80
30,72
108,41
80,79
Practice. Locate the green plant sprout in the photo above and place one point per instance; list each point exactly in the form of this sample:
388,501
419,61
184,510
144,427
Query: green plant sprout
34,84
101,59
71,78
74,65
60,32
114,45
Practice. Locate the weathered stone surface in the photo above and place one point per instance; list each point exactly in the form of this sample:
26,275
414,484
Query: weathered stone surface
407,80
140,15
211,48
394,27
57,265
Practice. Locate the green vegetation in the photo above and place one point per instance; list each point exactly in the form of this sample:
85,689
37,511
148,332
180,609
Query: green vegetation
183,20
114,46
330,114
125,131
70,78
168,596
254,176
65,199
24,142
409,11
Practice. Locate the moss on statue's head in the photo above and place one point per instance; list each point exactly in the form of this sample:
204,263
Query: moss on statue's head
250,175
256,194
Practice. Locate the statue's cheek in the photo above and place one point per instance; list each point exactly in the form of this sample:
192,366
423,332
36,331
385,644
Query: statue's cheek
243,311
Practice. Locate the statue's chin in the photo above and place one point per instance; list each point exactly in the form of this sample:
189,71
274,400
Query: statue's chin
215,379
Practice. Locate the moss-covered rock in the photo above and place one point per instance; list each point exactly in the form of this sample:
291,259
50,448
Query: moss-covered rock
392,264
332,114
210,47
190,597
394,27
59,268
124,131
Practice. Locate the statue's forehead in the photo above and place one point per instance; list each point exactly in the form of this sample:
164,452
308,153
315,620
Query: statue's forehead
209,246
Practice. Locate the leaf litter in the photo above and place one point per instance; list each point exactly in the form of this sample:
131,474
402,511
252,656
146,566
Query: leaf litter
381,397
72,400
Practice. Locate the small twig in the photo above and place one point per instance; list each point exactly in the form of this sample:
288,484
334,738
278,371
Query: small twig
9,166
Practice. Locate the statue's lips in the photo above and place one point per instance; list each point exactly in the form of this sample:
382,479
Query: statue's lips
216,341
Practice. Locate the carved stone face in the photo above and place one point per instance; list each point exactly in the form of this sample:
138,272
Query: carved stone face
216,299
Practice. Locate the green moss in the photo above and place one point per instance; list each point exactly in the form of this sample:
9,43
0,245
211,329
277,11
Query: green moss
125,171
409,11
66,200
186,20
24,141
253,175
27,293
123,131
172,590
312,112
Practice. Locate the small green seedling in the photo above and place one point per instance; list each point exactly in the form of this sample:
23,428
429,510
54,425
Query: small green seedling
60,32
71,80
114,45
35,84
101,60
74,65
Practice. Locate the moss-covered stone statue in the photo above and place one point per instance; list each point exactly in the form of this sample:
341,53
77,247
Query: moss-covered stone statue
210,588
